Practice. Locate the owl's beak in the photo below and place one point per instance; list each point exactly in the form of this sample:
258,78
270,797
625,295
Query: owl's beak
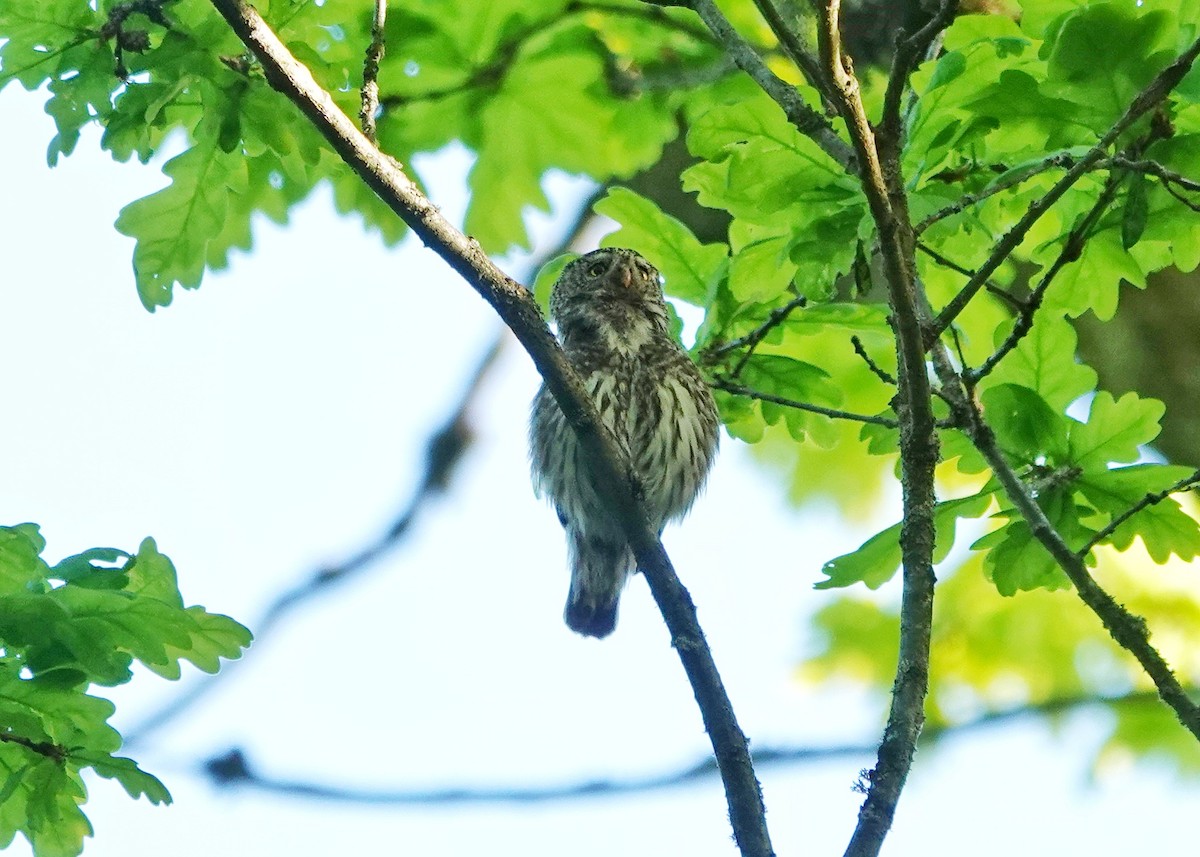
625,278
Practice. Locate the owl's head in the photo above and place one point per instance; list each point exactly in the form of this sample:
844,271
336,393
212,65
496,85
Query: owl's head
613,284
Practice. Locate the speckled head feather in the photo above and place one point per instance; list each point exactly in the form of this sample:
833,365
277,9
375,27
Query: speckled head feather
613,323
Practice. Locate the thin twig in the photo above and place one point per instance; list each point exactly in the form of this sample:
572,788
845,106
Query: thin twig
1170,188
1060,160
751,340
806,120
878,371
370,87
794,46
1149,98
233,768
1071,250
1151,499
1159,171
946,262
1128,630
739,390
910,50
517,308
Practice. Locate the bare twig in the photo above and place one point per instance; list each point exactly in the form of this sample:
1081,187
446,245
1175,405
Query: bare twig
739,390
807,120
910,50
370,87
1150,97
1060,160
946,262
1151,499
794,46
883,185
1170,188
516,307
1126,629
751,340
876,370
233,769
1154,168
1071,250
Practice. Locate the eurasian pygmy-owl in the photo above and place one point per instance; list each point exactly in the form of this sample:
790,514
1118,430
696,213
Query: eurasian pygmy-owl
612,322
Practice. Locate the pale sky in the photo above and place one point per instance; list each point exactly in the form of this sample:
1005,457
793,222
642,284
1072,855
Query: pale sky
273,421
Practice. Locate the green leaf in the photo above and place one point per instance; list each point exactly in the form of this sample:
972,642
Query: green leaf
1026,427
586,131
547,276
878,558
20,562
1136,213
691,270
136,782
1044,361
174,226
1114,430
1133,44
1163,527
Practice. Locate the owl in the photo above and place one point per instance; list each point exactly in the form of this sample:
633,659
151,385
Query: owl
612,321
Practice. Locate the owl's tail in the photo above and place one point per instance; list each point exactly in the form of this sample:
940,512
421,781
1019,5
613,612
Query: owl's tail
599,569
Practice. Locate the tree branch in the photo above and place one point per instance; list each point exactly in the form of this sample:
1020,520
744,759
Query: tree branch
909,52
54,752
793,46
1149,98
1128,630
1152,499
233,769
883,185
1071,250
807,121
993,288
370,87
1059,160
751,340
1154,168
516,307
738,390
876,369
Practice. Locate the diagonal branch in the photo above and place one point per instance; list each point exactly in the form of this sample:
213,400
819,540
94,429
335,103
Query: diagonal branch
807,121
1071,250
1059,160
751,340
516,307
909,52
794,46
1187,483
1149,98
1128,630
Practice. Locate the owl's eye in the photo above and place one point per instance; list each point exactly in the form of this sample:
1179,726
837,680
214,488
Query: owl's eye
596,269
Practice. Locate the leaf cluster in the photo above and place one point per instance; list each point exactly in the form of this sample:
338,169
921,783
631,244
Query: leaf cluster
64,629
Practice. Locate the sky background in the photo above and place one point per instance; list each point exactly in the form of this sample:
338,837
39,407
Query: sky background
274,422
